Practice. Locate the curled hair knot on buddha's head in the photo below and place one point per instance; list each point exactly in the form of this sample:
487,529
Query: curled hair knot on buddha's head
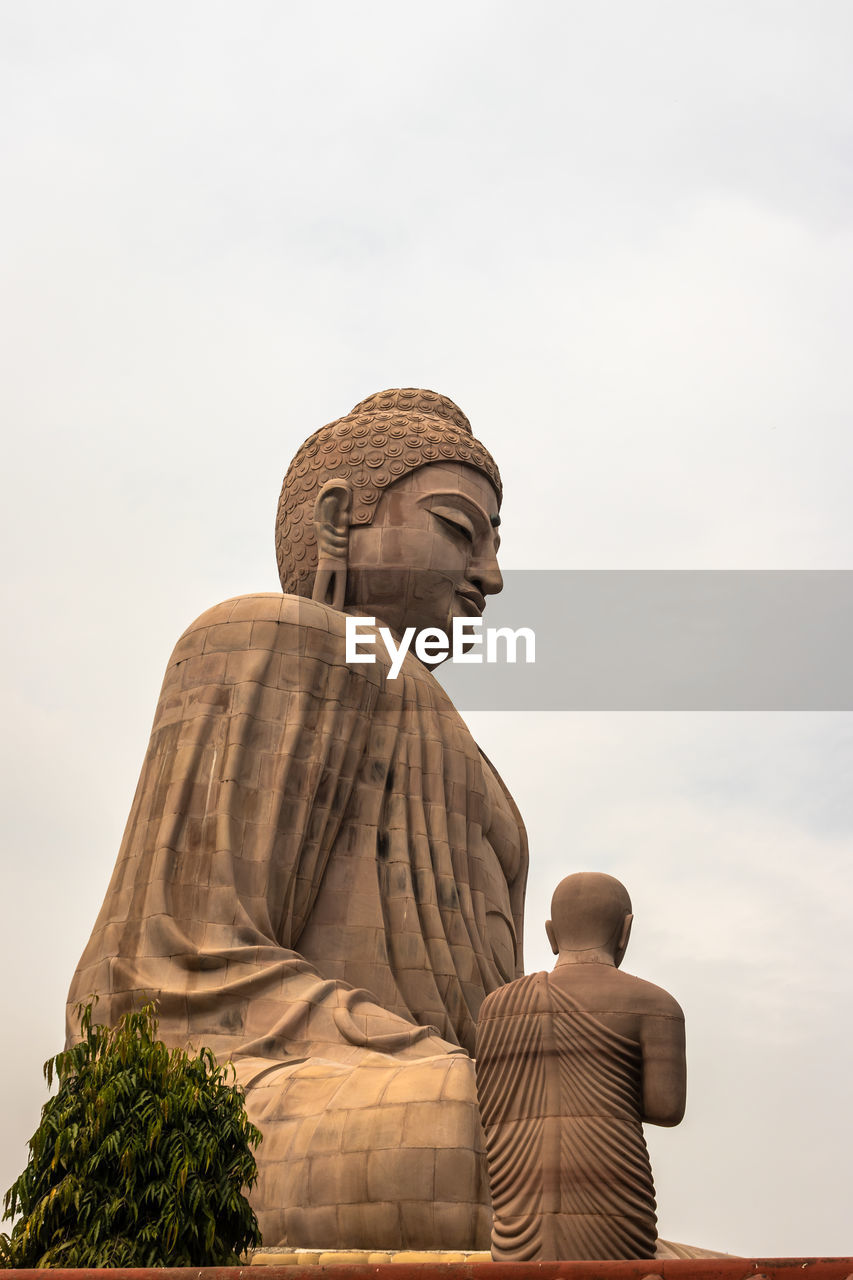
385,437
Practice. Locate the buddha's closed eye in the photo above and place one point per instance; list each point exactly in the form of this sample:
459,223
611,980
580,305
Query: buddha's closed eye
455,520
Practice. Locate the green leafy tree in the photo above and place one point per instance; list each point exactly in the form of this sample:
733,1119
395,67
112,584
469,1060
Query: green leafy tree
140,1158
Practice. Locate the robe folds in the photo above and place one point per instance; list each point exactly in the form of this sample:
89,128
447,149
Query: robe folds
320,873
560,1100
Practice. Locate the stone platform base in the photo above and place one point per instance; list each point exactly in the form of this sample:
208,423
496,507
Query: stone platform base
338,1265
284,1257
360,1257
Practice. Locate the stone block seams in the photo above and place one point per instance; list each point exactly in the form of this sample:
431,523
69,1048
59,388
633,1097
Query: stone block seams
309,1264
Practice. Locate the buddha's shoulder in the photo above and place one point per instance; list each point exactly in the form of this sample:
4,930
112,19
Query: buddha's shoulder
242,612
265,620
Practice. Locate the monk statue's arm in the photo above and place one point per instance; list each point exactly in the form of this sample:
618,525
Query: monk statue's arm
664,1082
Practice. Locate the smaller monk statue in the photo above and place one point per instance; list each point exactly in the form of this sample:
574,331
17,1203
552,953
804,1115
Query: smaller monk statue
569,1065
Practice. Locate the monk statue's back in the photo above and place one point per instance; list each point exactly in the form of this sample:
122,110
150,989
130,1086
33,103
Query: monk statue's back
569,1065
321,876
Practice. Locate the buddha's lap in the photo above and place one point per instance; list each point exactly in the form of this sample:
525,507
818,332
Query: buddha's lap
378,1154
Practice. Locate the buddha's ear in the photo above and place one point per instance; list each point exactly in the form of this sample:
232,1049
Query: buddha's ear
552,937
622,941
331,527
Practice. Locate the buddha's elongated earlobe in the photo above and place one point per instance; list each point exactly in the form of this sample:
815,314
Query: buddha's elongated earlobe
331,526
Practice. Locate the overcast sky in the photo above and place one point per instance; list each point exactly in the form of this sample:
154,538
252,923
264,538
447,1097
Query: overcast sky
619,235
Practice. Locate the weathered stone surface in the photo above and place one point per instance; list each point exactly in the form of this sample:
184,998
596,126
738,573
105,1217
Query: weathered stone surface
477,1267
321,877
569,1065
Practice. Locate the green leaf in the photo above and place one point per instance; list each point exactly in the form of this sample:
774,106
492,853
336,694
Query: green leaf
140,1159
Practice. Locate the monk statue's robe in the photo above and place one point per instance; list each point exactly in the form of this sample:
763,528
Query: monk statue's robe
321,879
560,1101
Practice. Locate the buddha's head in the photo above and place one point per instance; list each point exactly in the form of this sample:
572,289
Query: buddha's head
590,918
392,512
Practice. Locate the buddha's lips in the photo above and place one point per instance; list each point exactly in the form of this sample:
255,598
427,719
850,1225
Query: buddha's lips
474,599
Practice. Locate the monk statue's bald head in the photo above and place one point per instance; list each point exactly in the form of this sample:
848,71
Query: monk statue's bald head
590,918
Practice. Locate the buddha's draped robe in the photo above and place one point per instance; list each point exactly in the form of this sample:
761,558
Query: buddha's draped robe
560,1100
321,878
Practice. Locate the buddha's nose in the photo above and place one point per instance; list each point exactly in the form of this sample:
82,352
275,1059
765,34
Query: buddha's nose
486,575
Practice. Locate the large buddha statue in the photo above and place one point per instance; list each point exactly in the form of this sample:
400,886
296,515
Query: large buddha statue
322,877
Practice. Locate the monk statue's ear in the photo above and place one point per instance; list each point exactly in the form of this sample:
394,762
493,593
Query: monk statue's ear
622,941
331,527
552,937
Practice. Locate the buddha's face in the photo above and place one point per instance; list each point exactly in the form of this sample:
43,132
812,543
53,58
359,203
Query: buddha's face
430,553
